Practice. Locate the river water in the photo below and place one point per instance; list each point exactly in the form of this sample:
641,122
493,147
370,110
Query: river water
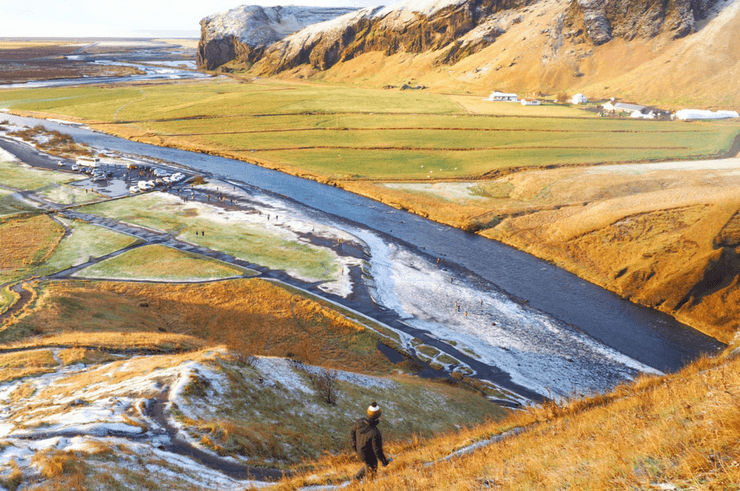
150,73
544,328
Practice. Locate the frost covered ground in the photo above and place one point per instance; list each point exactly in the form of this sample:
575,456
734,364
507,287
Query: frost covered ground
98,409
109,413
279,219
538,352
176,421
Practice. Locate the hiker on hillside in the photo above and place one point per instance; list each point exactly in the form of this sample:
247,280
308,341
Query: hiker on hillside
368,443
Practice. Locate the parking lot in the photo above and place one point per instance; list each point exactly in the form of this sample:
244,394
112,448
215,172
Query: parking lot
118,177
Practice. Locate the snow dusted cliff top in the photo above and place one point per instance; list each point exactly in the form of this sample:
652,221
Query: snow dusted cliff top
255,25
396,15
423,7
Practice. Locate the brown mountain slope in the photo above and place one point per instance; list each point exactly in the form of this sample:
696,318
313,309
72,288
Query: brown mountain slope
702,69
548,47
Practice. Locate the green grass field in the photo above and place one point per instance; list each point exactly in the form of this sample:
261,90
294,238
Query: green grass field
348,132
10,205
18,176
250,242
84,242
160,263
69,195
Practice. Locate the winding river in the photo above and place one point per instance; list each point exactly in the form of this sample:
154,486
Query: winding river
587,318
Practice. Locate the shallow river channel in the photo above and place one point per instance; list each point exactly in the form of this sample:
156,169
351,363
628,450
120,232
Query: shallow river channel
516,320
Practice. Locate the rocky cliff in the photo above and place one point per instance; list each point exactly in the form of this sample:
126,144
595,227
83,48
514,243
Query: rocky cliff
457,28
244,32
410,26
606,19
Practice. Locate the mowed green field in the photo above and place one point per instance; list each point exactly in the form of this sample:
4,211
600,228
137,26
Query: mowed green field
354,133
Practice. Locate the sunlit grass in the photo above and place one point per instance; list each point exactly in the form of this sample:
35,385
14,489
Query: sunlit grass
27,243
247,315
19,176
85,241
238,238
160,263
25,363
231,118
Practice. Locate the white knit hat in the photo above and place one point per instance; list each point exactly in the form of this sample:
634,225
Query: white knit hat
373,411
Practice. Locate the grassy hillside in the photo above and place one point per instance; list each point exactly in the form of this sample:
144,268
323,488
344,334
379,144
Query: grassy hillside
537,53
67,430
674,432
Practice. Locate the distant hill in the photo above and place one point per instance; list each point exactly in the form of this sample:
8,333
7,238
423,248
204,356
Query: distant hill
671,53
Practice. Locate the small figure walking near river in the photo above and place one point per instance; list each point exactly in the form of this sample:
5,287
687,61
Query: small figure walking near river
368,443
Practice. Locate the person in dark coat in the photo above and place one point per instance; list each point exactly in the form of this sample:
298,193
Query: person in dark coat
368,442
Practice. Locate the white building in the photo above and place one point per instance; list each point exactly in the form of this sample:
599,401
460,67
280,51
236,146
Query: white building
579,99
501,96
531,102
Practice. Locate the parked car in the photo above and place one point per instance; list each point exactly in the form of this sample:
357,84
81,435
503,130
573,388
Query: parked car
133,189
75,167
145,186
60,163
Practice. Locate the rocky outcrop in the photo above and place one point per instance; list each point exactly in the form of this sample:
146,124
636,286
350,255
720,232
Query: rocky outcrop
244,32
282,38
411,26
606,19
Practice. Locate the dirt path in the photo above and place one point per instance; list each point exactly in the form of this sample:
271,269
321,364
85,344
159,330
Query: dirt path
159,412
25,297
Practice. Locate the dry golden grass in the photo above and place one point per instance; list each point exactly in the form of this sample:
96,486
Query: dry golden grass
666,238
25,363
445,211
133,341
14,478
251,316
71,356
681,429
26,244
62,470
